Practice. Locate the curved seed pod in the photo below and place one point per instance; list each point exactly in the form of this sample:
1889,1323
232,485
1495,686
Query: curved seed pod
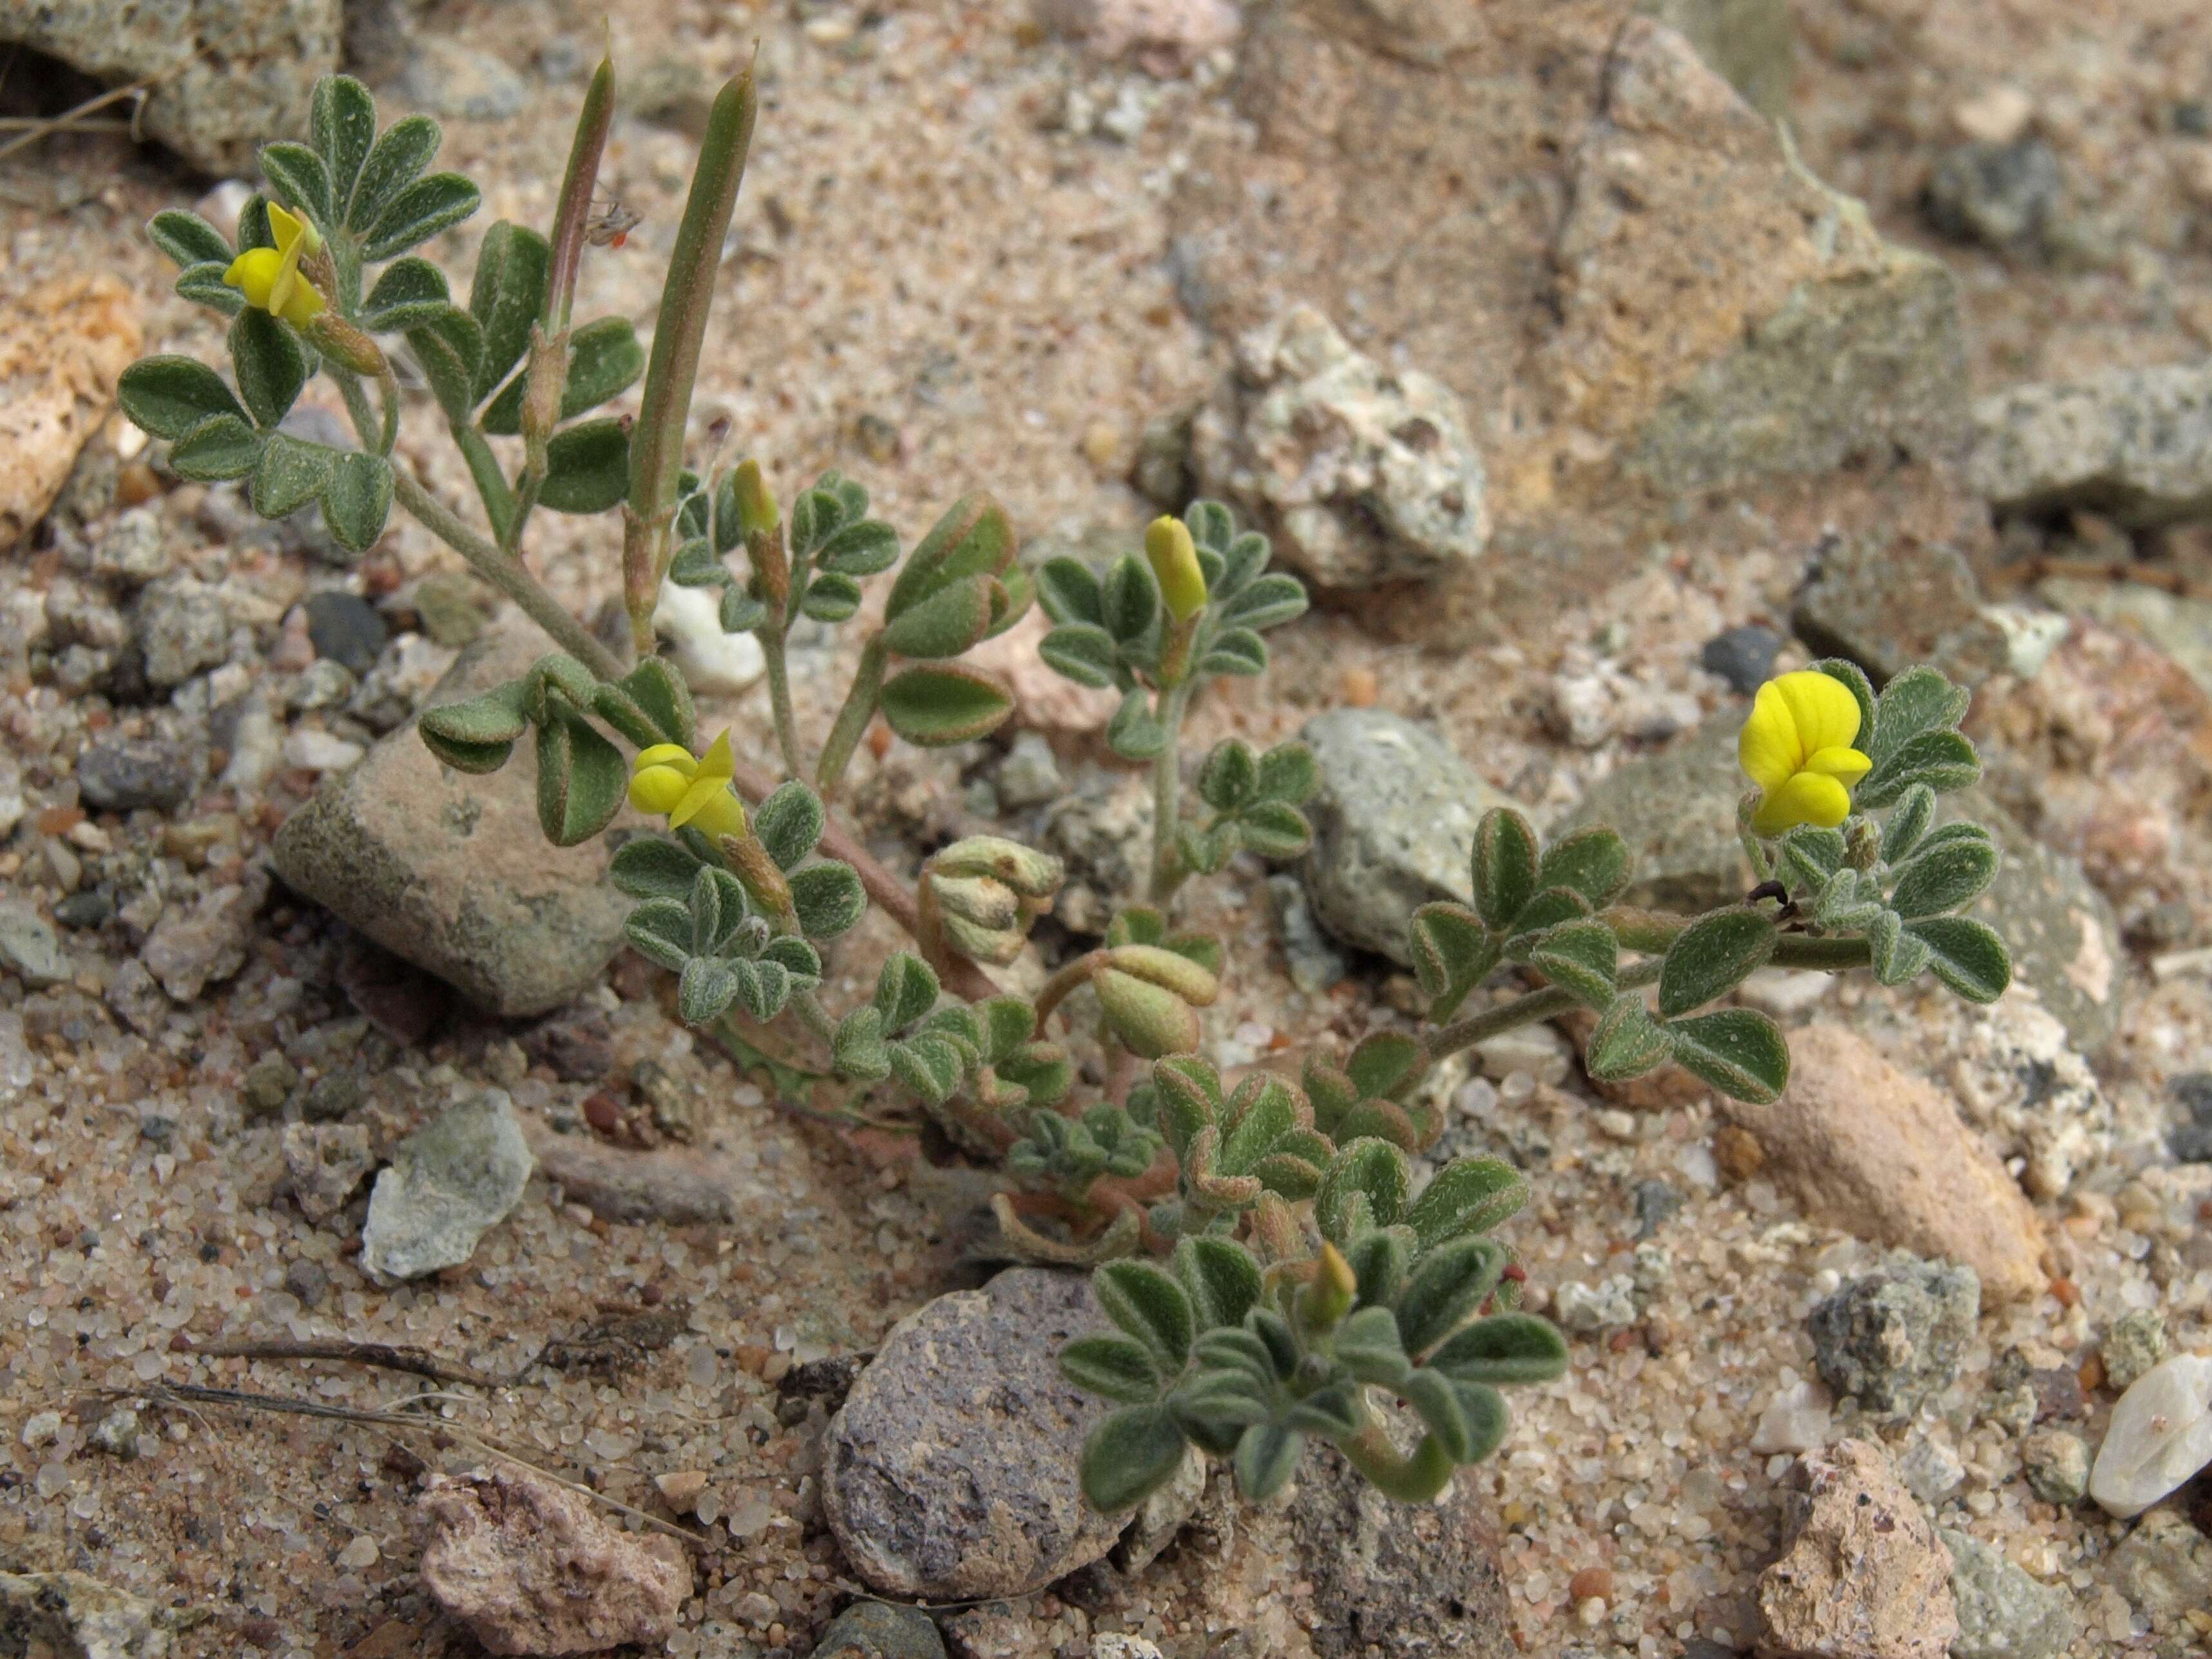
997,946
1029,873
1165,968
1150,1019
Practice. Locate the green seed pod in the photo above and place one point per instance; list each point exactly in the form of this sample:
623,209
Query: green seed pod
1179,975
1031,874
1150,1019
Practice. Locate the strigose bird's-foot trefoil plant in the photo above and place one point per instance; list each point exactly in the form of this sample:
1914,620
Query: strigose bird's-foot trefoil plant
1275,1269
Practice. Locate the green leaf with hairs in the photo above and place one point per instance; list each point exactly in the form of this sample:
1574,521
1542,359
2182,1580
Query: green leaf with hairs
408,294
298,178
394,161
933,705
187,238
1468,1196
1266,1458
477,736
1118,1367
270,363
1364,1186
203,285
1503,1350
1081,652
1627,1042
1069,593
1129,1457
507,298
587,467
1739,1051
341,123
218,448
1965,955
581,779
647,866
357,499
1712,957
1504,866
290,473
448,346
828,898
420,212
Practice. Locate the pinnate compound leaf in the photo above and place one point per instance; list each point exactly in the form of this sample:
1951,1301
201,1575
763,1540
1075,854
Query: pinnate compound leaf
1739,1051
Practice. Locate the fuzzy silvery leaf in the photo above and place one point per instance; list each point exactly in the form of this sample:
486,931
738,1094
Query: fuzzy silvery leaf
706,904
705,990
1239,652
1504,866
1120,1368
1854,680
1008,1022
476,735
1546,911
1148,1304
1260,1112
1712,957
1503,1350
1915,813
506,298
1042,1071
933,705
928,1065
814,518
341,123
1288,773
906,989
763,986
1150,1020
1069,592
1211,524
1133,732
1266,1458
1578,956
1468,1196
1330,1410
298,178
187,238
944,624
587,467
741,612
1965,955
270,365
1242,562
1129,1457
1242,1352
1811,855
203,285
420,212
961,1024
581,780
447,347
1367,1344
829,898
660,930
218,448
1942,761
394,161
1082,652
1384,1120
1189,1099
1205,852
1275,830
864,549
1433,1399
1448,1285
658,690
357,499
408,293
1268,603
605,361
646,867
557,683
1129,599
1387,1063
1229,776
696,565
1739,1051
1452,951
1364,1186
289,474
1220,1278
857,1048
1897,956
798,959
1943,878
1594,862
1920,700
830,598
254,227
788,823
1626,1043
973,538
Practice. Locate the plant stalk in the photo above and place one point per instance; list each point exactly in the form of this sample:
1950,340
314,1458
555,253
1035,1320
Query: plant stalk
1414,1478
1167,792
771,636
853,717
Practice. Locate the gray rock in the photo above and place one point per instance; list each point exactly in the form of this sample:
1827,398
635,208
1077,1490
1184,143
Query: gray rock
1743,656
950,1471
1029,775
2191,1139
876,1630
1394,824
448,1183
1101,829
331,1097
134,550
327,1161
2164,1567
215,108
183,628
2056,1465
2135,444
451,872
2003,1613
116,773
1930,1470
88,907
1657,1204
2002,195
245,730
309,1280
460,81
30,947
2064,939
2178,624
1887,602
1413,1582
269,1084
2134,1344
1363,475
2021,1081
116,1434
191,948
74,1615
78,614
346,628
1895,1337
1749,43
1314,965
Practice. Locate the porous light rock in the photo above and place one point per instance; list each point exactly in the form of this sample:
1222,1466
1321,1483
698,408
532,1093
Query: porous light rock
1864,1574
2161,1434
531,1568
2132,443
449,1183
63,346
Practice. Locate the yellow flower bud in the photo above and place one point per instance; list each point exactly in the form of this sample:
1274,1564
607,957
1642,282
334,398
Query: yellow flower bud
270,276
1174,558
1798,747
668,781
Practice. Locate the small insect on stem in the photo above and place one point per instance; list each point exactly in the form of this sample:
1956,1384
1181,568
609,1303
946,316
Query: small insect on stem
610,226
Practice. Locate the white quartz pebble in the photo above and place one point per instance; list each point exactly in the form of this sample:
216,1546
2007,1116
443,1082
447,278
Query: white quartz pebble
2160,1434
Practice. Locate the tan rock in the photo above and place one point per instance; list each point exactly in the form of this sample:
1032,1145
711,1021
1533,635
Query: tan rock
680,1488
327,1161
63,346
1864,1576
1884,1155
530,1567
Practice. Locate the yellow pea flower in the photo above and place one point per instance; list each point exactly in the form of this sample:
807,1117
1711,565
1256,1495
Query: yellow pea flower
1797,747
270,276
669,781
1173,559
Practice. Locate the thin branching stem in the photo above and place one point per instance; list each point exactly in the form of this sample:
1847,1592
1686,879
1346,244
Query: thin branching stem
1167,793
779,696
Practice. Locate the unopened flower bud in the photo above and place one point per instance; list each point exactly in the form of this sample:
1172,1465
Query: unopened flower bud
1330,1293
1031,874
756,510
1150,1019
1179,975
345,345
978,898
1174,558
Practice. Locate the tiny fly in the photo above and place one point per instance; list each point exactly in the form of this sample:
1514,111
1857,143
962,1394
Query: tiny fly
610,226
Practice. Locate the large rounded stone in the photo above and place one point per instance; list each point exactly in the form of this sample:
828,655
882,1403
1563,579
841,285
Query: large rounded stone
950,1472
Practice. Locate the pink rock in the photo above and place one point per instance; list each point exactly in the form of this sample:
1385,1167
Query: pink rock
1865,1576
1165,34
530,1567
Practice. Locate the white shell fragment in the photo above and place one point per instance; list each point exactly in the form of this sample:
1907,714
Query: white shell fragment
2160,1434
